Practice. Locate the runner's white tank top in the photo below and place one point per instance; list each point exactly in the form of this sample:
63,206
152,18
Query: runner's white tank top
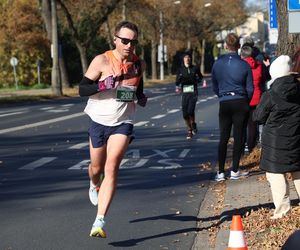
103,107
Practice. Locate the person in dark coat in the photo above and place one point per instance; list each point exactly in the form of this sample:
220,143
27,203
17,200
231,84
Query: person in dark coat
279,111
293,241
232,82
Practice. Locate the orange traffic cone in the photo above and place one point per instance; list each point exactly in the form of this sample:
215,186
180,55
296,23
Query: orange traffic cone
236,238
204,84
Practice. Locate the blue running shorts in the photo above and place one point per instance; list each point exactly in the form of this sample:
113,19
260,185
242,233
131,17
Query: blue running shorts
99,133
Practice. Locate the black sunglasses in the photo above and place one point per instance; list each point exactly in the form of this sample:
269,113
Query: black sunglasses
125,41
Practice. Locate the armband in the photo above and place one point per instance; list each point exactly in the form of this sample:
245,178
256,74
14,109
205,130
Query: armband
87,87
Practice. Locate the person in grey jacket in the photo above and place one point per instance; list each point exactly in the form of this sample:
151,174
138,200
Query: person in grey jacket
279,111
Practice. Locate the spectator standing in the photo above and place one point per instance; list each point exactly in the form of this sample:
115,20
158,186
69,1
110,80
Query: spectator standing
257,74
233,84
279,111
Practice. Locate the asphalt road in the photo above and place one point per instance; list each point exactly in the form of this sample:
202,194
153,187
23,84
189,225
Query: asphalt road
44,184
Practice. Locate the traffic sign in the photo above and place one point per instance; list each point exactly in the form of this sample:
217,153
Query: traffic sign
293,4
13,61
272,14
294,19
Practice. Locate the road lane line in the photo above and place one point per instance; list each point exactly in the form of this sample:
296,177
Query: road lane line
46,108
173,111
38,163
63,118
158,116
57,110
79,145
139,124
8,114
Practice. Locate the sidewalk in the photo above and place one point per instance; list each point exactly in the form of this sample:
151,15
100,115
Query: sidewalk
240,197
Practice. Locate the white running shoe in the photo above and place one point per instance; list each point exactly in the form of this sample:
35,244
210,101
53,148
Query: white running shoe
93,195
237,175
220,177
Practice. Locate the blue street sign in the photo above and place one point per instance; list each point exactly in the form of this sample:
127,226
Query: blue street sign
293,4
272,14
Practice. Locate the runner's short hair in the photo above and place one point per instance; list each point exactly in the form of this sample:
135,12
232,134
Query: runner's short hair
128,25
232,41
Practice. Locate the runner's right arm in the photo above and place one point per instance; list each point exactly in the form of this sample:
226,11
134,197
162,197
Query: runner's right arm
89,84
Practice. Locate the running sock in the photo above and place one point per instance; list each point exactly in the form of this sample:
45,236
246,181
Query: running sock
92,184
99,221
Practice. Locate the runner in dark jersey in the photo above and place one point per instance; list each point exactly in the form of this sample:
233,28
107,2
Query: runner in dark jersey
187,79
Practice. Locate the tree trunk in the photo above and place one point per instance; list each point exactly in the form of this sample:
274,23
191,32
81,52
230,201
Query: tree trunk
83,58
64,73
46,15
287,43
108,32
153,59
55,76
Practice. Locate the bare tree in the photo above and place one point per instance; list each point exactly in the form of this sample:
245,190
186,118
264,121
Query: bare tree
96,14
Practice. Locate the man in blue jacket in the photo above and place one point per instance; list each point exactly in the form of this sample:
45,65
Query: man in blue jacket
233,84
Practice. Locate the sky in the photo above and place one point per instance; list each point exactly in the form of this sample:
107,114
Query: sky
261,3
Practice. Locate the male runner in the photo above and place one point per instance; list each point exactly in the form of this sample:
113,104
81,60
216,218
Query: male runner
187,79
112,81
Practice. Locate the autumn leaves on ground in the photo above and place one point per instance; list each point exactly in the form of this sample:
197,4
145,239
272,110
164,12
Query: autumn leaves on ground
260,231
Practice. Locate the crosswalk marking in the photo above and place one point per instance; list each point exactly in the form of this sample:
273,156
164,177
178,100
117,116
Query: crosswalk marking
38,163
80,165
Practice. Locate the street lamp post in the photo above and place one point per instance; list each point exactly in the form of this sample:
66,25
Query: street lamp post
161,50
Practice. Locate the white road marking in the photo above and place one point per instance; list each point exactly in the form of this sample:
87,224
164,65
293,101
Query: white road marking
211,97
14,110
67,105
3,131
141,123
57,110
170,164
173,111
8,114
79,145
46,108
80,165
158,116
38,163
184,153
138,164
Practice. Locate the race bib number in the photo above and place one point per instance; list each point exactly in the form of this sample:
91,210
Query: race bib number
125,93
188,88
